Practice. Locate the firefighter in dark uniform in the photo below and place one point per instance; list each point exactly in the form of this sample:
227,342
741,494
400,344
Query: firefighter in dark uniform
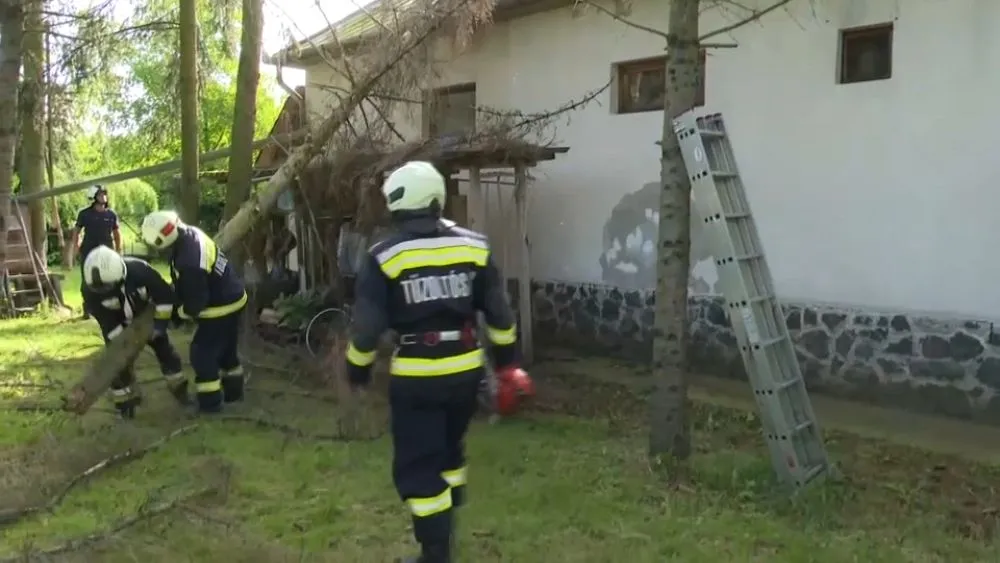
427,279
211,293
99,225
116,290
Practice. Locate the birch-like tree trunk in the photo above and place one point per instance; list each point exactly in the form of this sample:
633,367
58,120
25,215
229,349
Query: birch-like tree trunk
32,110
188,39
11,35
669,432
245,109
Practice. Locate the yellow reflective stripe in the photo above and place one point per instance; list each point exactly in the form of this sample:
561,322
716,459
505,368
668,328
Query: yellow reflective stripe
429,506
207,251
222,310
455,477
174,377
427,367
120,395
208,386
440,257
502,336
359,358
116,331
163,312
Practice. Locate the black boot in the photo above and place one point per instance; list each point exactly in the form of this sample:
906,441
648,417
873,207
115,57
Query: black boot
431,553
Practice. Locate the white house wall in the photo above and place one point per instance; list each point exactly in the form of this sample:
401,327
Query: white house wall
878,198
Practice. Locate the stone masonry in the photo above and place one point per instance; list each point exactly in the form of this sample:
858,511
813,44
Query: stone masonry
942,366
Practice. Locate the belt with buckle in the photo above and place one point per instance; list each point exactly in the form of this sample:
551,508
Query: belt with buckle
466,336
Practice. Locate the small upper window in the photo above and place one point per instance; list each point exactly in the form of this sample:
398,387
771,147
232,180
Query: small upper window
642,85
866,54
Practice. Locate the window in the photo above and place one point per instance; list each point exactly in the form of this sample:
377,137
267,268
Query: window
865,54
642,85
450,111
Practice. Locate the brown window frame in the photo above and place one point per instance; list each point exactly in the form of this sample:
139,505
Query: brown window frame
625,70
431,96
849,41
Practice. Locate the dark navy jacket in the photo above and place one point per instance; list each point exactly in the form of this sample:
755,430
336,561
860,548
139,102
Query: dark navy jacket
98,228
428,277
143,287
206,284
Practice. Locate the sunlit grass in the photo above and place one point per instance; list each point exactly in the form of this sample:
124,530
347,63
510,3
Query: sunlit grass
544,488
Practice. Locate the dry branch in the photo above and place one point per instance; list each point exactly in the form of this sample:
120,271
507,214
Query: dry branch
9,517
123,350
144,514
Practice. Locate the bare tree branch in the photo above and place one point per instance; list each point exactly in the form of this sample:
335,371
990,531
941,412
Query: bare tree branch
754,16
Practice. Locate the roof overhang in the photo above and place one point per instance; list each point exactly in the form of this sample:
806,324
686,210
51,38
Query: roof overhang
304,53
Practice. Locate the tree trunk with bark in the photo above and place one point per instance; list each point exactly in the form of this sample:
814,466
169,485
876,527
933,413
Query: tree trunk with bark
50,157
189,196
11,35
669,432
32,157
244,116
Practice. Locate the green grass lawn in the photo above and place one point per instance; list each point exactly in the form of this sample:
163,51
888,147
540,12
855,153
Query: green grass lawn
566,482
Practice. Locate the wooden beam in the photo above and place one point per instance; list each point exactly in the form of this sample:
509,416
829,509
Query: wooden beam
476,203
523,265
155,168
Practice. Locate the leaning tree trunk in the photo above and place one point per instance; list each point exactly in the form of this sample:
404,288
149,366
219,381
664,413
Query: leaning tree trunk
11,34
669,431
32,163
188,38
244,116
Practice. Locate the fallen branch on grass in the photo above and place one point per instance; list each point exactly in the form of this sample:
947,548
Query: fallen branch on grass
9,517
144,514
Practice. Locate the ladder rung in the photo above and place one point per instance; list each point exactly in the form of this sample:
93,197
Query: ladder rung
21,291
785,385
709,134
812,473
737,215
24,309
800,427
748,257
723,174
766,343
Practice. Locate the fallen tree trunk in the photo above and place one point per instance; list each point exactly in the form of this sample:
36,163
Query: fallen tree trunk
125,348
160,168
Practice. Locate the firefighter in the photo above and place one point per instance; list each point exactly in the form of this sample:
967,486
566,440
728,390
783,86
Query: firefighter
115,290
99,225
426,280
209,292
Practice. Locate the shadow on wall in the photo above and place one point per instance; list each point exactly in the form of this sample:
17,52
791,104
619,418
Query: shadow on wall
628,260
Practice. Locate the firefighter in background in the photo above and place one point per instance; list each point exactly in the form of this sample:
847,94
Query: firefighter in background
115,290
211,293
427,279
99,225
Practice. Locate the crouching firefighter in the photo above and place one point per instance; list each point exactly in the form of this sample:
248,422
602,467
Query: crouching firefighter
426,280
209,292
115,291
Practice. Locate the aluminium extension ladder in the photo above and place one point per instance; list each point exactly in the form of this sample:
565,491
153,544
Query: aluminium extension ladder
720,203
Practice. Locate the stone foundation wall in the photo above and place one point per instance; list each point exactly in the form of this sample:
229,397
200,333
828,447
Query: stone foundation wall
940,366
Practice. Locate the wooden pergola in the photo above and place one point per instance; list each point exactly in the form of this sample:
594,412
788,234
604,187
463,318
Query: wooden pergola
483,169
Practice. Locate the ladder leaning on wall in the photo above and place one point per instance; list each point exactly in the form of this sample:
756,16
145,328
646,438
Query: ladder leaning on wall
21,292
720,204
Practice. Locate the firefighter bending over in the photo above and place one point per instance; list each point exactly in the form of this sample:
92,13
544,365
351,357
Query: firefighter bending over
210,292
427,279
115,290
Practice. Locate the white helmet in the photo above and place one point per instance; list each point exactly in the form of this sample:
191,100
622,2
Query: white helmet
159,229
103,269
415,185
95,190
